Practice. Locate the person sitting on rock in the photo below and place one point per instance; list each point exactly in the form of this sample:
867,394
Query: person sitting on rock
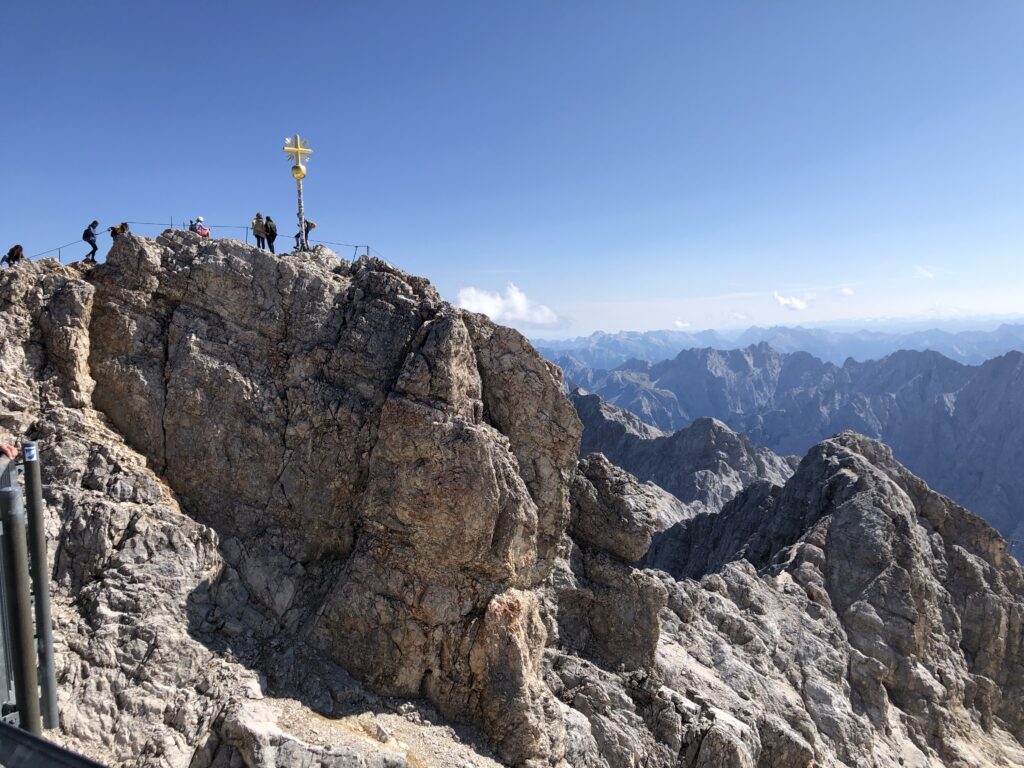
13,256
201,229
117,230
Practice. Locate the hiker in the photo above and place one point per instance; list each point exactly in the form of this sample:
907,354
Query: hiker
270,230
302,243
259,229
89,235
117,230
13,256
201,229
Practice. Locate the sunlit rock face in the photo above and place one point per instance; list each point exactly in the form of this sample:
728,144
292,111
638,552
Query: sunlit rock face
287,485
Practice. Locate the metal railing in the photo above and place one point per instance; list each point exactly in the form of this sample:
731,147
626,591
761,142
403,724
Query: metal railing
27,644
246,229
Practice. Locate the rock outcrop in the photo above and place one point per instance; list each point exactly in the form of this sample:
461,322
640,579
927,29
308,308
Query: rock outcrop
304,512
891,617
361,447
157,654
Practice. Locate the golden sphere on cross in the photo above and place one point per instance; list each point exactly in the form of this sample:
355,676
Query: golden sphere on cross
299,171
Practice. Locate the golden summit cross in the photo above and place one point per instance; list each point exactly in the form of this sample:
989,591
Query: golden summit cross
297,148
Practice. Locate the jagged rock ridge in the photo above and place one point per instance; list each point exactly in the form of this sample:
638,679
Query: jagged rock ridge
465,557
954,425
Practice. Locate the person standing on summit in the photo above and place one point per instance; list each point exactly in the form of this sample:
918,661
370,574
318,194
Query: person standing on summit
89,236
259,229
270,230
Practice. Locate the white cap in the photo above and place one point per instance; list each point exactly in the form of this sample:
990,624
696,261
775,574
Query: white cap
199,218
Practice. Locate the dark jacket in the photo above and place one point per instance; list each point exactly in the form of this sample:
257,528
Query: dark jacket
89,235
270,228
13,256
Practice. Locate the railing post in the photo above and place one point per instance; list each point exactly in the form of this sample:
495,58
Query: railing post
19,606
40,583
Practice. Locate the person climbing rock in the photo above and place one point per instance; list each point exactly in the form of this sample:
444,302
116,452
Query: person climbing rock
259,230
89,236
302,243
13,256
270,230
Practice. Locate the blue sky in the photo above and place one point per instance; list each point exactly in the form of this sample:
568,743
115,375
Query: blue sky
622,165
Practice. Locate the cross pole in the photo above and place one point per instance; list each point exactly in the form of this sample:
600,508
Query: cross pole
297,149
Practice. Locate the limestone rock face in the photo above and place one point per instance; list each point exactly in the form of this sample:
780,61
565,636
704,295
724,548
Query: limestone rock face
363,448
880,603
304,512
132,682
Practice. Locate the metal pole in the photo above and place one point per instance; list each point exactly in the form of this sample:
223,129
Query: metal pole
302,219
40,583
26,681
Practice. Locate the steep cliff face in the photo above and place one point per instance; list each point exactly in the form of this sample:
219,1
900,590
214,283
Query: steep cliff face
895,616
364,503
132,682
364,451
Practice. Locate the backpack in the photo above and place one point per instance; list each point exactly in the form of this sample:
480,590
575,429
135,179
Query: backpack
87,234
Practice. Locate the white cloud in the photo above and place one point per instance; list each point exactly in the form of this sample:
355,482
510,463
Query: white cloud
680,324
790,302
846,291
925,273
740,316
512,307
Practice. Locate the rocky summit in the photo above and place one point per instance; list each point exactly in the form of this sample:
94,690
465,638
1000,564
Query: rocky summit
304,512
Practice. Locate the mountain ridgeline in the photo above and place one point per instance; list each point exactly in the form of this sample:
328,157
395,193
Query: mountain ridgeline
609,350
956,426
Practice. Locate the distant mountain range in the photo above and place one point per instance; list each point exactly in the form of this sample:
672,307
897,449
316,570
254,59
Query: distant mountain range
704,465
956,426
608,350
